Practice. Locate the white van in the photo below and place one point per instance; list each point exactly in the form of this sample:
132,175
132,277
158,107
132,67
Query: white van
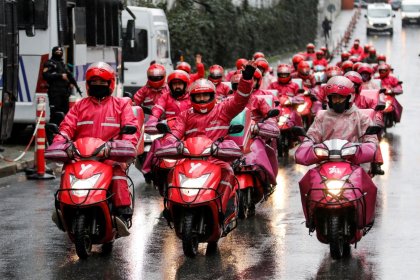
151,43
410,12
379,18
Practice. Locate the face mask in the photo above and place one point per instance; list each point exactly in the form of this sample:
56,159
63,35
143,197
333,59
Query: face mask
177,93
339,107
98,91
365,77
235,86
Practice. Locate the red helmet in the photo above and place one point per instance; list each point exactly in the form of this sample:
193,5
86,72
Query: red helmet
354,59
240,63
357,65
364,67
184,66
296,59
345,56
304,69
258,55
339,85
332,71
356,42
384,70
366,48
319,54
262,64
202,86
310,46
324,49
347,66
103,71
381,57
283,73
372,51
178,75
234,81
354,77
156,75
216,74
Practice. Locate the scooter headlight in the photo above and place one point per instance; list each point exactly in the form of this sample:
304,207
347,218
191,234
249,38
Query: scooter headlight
301,108
335,186
191,186
283,119
387,104
321,152
80,186
348,151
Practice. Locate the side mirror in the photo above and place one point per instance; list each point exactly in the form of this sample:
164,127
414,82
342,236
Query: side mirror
236,128
272,113
373,130
400,82
128,94
128,129
131,31
301,90
52,127
163,128
380,107
382,90
298,131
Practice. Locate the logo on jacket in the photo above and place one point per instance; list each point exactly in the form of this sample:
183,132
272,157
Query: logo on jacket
334,170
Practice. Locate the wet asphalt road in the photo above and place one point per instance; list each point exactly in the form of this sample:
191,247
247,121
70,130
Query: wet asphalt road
272,245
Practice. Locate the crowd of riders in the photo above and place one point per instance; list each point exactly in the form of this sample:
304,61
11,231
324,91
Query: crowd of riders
342,99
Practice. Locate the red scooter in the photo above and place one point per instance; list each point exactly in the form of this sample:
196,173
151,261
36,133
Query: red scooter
83,202
200,206
393,109
338,197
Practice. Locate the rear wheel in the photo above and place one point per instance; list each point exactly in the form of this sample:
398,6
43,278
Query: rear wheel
81,237
246,205
339,248
189,237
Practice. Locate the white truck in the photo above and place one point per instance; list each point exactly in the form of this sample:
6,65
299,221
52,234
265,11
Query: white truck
150,43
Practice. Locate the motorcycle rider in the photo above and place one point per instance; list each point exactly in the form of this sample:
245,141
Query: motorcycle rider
257,55
366,71
393,86
344,57
155,87
343,120
364,102
371,59
102,115
365,52
381,58
310,52
320,59
347,66
211,119
240,65
263,66
296,59
187,68
216,77
356,49
304,73
284,84
172,104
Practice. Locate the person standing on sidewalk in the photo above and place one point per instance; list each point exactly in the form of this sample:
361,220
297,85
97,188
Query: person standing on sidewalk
326,26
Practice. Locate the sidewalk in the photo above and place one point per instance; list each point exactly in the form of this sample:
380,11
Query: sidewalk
12,151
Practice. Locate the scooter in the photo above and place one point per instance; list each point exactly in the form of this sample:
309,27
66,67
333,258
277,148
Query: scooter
256,167
83,202
288,119
338,197
199,205
393,109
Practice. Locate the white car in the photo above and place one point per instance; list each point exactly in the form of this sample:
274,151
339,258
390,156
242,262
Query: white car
410,12
379,18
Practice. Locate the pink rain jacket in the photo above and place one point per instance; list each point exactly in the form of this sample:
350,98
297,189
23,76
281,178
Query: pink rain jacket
148,96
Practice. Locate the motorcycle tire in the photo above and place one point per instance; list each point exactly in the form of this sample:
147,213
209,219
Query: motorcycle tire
107,247
339,248
189,237
211,248
82,239
246,207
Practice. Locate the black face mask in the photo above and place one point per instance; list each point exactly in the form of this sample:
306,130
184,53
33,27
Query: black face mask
339,107
235,86
365,76
98,91
177,93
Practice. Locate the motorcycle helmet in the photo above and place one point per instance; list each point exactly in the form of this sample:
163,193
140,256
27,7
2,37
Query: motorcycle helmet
262,64
216,74
347,66
234,81
345,56
333,71
156,75
339,91
310,48
381,58
185,66
257,78
304,69
355,78
199,87
296,59
319,54
258,55
366,71
384,70
178,76
283,73
96,73
240,63
372,51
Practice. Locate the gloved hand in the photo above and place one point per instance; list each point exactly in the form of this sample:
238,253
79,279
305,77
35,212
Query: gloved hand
248,73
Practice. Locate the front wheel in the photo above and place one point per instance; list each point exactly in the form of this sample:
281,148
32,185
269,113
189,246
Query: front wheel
246,207
189,237
81,237
339,248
